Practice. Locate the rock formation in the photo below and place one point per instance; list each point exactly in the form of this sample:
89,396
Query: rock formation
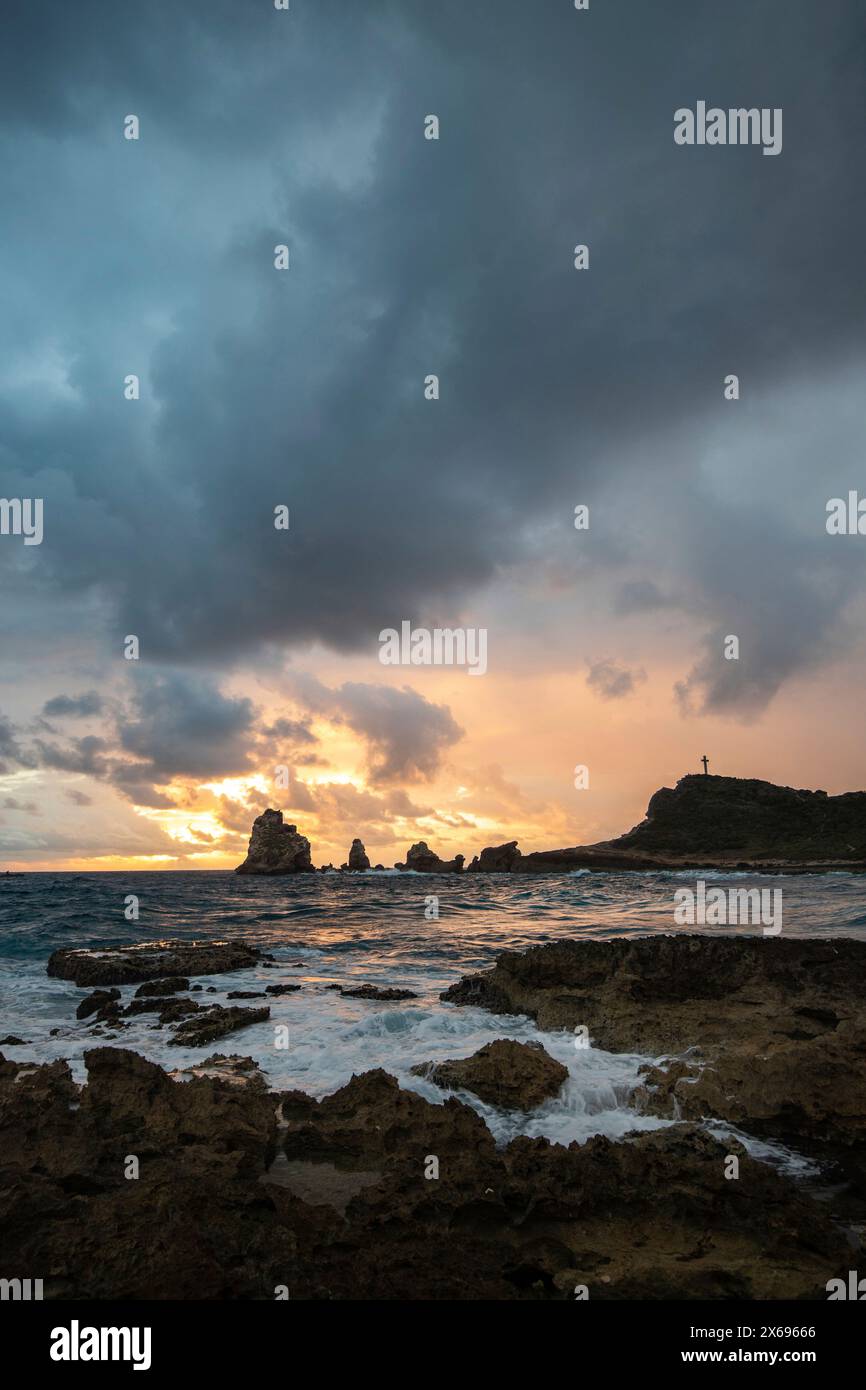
275,848
377,992
424,861
150,960
770,1031
334,1203
510,1075
500,859
742,817
703,822
358,860
732,822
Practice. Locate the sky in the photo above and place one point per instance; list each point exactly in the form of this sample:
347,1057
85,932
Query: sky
258,680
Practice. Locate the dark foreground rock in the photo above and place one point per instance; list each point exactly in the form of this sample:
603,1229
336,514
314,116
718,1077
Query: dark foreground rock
376,992
774,1027
373,1193
155,989
276,848
96,1002
206,1025
150,960
510,1075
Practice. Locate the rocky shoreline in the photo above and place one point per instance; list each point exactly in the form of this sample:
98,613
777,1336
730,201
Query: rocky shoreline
729,823
205,1184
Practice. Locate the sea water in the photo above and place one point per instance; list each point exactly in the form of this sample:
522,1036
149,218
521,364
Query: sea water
347,930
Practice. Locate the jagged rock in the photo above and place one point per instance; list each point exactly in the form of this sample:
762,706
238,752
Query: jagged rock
499,859
282,989
248,994
96,1001
148,960
779,1022
229,1067
276,848
358,860
345,1209
374,992
424,861
510,1075
11,1041
156,988
215,1022
169,1010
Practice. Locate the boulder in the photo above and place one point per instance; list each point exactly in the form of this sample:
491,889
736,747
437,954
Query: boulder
509,1075
96,1002
276,848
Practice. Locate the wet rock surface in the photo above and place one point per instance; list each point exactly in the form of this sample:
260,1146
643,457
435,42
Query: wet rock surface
150,960
376,992
96,1002
155,989
338,1198
509,1075
206,1025
768,1033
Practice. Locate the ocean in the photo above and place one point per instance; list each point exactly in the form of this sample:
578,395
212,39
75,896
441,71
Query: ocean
340,929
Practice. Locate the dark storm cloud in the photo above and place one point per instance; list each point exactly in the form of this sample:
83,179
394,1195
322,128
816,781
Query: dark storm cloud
408,257
182,725
86,755
73,706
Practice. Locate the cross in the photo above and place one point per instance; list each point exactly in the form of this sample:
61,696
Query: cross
705,760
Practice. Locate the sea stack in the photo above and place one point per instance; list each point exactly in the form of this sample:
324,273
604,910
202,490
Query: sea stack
424,861
276,848
358,860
